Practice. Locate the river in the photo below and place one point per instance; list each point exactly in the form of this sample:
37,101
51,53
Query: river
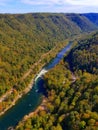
30,101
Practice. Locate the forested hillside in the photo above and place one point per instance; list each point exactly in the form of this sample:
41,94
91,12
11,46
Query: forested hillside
72,97
25,37
93,17
83,22
84,56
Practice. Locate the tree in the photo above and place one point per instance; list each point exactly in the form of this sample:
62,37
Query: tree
82,124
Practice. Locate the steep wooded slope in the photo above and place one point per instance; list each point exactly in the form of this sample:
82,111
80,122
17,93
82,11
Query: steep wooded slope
93,17
84,56
25,37
81,21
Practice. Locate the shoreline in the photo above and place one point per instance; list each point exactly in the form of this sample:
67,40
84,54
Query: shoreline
41,107
19,96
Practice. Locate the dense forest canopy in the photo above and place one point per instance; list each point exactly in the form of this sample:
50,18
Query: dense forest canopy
72,100
84,55
25,37
72,85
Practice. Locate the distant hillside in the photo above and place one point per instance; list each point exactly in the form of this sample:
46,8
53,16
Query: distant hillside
43,26
93,17
25,37
82,22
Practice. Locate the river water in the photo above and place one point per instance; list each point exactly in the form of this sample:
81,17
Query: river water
32,99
